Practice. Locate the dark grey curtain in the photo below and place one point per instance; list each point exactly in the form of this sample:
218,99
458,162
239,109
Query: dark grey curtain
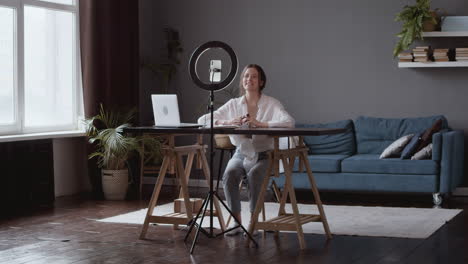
109,53
110,62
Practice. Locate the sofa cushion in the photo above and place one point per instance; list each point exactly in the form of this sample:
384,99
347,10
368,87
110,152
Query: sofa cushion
323,163
374,134
370,163
343,143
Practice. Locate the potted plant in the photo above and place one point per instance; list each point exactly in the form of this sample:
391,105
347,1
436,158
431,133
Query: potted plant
113,149
416,19
167,69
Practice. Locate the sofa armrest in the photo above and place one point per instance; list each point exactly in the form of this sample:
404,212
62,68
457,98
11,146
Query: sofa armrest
437,146
451,160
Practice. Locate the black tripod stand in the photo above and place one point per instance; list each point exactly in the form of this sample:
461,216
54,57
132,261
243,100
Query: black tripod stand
209,199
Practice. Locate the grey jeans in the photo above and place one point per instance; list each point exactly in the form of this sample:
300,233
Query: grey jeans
235,172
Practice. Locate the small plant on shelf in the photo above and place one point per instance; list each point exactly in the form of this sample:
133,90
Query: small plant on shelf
415,19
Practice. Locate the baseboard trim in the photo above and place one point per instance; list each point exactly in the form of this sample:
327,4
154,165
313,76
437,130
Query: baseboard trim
462,191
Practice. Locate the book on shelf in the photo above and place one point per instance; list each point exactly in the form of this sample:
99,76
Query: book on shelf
405,56
405,60
441,50
461,58
461,49
441,59
421,60
421,49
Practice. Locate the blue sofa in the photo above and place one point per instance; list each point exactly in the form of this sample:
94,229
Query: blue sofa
350,161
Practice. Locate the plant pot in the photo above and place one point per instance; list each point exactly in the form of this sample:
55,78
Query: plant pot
429,25
114,184
223,141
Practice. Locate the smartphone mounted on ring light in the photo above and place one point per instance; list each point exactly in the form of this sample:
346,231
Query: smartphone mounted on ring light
215,71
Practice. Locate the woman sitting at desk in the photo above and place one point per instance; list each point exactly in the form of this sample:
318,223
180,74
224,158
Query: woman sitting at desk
254,109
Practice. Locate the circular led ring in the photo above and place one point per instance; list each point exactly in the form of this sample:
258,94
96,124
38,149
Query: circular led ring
196,55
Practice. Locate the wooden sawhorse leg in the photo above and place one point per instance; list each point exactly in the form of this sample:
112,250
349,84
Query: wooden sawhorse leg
174,155
285,221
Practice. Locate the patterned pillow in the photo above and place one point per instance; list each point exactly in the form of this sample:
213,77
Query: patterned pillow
396,147
424,153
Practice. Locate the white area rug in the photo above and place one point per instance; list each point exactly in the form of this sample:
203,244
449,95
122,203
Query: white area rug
343,220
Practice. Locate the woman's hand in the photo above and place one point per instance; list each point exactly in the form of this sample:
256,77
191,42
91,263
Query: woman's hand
252,122
234,121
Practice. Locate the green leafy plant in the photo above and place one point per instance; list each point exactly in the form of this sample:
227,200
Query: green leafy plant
413,18
167,69
113,147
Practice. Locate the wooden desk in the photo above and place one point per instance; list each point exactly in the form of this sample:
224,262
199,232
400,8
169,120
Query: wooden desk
173,155
284,221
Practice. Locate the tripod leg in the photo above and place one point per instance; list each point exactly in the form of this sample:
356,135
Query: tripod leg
237,220
193,222
210,196
206,172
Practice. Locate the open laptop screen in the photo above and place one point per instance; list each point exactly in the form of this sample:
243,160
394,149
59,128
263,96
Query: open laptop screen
166,111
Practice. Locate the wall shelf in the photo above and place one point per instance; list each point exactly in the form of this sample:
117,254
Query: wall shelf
440,34
434,64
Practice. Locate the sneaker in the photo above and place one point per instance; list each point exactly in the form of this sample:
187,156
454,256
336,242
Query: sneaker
233,232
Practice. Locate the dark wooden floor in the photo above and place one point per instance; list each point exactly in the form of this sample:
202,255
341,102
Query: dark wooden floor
68,233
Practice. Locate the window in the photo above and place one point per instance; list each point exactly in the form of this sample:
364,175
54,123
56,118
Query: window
40,88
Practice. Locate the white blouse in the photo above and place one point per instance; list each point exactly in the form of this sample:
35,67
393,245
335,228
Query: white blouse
270,111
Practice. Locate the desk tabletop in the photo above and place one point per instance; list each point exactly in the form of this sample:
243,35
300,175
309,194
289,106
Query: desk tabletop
239,131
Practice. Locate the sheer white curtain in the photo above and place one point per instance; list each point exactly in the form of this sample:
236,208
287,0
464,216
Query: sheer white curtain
40,73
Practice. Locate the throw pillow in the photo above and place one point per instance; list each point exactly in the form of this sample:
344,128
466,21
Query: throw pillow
424,153
396,147
412,146
426,139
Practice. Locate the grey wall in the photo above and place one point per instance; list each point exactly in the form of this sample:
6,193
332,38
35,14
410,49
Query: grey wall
325,60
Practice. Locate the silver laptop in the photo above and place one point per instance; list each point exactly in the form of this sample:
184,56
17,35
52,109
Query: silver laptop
166,111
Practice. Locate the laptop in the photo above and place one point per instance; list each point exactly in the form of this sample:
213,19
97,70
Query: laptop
166,111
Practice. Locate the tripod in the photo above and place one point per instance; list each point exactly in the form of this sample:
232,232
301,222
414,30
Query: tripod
209,198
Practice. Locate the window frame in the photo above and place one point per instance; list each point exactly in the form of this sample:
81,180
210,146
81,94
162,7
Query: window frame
18,128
